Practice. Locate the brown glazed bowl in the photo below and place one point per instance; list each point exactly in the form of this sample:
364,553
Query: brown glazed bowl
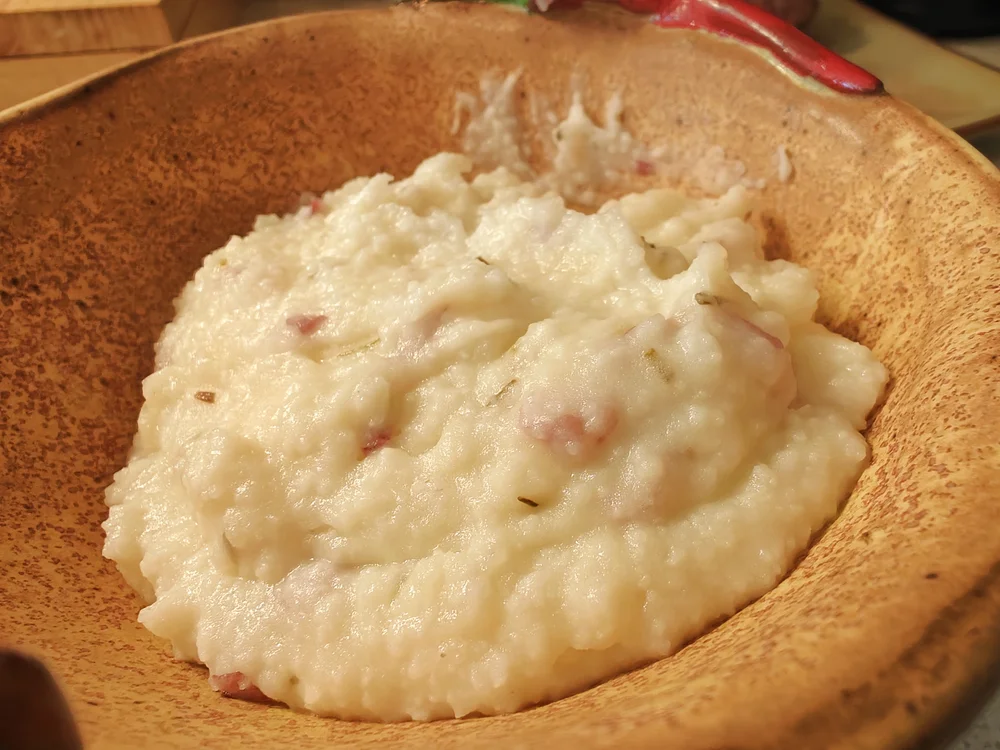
112,192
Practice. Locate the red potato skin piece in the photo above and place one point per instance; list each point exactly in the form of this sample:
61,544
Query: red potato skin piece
569,434
375,439
238,685
307,325
755,329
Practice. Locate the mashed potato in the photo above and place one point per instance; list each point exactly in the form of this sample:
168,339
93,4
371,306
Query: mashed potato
439,446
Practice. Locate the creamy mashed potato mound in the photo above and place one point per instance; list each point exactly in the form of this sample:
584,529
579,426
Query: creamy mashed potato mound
441,445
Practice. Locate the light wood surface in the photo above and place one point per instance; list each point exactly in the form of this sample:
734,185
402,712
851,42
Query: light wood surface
212,15
22,78
953,89
33,27
986,50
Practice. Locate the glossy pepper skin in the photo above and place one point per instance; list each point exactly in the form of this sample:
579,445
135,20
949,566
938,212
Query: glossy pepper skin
952,18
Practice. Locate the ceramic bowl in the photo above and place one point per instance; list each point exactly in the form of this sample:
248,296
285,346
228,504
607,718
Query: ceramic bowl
111,193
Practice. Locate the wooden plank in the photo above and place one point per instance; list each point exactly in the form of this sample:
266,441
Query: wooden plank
22,78
177,14
213,15
34,27
23,6
985,49
260,10
960,93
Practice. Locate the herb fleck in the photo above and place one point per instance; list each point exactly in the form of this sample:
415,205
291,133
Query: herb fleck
358,347
207,396
527,501
481,259
651,356
502,392
704,298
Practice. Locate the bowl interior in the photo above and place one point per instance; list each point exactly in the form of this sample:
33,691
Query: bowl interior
113,194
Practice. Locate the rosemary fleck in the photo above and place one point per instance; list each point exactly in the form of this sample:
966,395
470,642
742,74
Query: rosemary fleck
527,501
704,298
358,347
661,367
207,396
502,392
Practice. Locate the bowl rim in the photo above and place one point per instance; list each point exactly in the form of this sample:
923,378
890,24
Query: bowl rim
972,693
62,95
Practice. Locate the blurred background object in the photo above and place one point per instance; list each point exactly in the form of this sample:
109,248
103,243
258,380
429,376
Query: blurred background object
945,17
947,80
795,12
33,27
45,44
33,713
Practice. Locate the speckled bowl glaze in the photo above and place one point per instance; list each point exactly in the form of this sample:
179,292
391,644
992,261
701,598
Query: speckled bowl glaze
111,193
